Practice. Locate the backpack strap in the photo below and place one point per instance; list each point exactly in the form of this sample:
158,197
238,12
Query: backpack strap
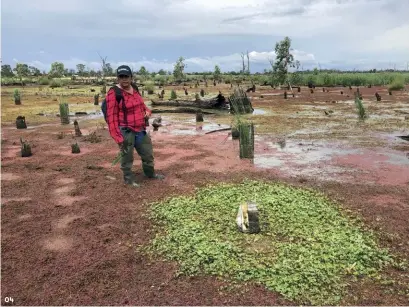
118,93
135,87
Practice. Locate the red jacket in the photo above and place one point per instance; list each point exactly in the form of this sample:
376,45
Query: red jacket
134,118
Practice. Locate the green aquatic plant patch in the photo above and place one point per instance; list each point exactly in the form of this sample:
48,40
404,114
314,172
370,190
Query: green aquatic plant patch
307,250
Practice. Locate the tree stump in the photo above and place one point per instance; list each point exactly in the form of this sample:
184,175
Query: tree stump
285,95
323,89
64,113
25,149
342,93
235,134
378,97
199,116
299,89
21,122
390,93
246,140
75,148
96,99
157,122
17,97
248,218
77,128
202,92
312,91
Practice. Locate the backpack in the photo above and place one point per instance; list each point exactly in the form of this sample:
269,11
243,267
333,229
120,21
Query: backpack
119,97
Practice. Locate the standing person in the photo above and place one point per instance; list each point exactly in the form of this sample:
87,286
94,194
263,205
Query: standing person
127,126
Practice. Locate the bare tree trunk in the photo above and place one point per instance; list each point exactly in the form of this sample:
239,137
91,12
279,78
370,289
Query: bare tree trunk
244,65
248,62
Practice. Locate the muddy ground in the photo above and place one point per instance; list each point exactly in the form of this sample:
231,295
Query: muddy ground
70,228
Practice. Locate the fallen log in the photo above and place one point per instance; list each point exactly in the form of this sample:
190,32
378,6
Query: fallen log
212,103
181,110
224,129
404,137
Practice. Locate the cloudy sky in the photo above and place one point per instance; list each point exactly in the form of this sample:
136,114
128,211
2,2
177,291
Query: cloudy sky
344,34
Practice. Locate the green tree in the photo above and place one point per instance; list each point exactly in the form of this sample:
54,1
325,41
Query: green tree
6,71
22,70
284,60
80,69
57,70
34,71
217,73
162,72
179,68
142,71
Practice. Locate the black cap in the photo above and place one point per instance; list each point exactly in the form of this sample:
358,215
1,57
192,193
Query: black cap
124,70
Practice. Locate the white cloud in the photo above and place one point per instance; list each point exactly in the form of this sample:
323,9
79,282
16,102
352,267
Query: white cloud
330,28
226,63
184,18
396,38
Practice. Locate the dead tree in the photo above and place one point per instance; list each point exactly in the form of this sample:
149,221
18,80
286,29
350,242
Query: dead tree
242,59
104,67
248,62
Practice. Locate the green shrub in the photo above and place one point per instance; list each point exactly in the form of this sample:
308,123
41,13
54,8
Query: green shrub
43,81
397,84
150,88
56,83
173,95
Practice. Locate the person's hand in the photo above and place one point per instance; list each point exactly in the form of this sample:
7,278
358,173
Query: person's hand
122,146
148,113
